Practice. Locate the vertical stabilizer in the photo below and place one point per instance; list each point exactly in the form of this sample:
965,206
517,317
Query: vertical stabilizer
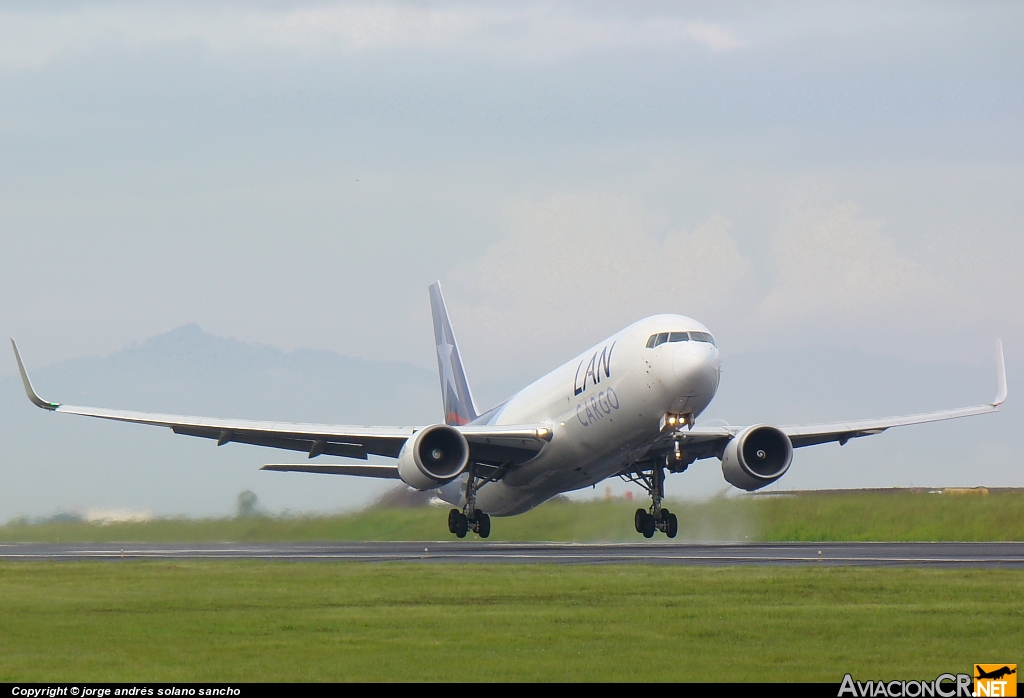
458,400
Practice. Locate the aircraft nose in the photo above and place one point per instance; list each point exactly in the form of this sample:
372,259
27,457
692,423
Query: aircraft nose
695,365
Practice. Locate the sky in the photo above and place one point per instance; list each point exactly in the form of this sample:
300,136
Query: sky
796,176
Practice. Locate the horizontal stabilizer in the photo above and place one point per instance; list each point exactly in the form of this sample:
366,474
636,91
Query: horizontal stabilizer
388,472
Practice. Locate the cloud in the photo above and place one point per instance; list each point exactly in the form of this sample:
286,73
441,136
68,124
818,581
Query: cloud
575,268
831,263
520,31
713,36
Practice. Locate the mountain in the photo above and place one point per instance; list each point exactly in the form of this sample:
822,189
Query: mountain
51,462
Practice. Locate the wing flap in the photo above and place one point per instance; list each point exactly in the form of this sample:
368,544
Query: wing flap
316,446
388,472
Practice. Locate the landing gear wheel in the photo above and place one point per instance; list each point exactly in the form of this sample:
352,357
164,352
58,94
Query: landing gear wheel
457,523
671,525
638,520
649,526
483,524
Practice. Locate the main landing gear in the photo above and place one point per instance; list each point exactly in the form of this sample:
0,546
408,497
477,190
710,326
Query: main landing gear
470,518
658,518
460,524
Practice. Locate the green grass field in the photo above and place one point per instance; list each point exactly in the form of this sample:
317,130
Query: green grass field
854,516
255,621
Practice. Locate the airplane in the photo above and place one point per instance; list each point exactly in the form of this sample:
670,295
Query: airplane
625,407
996,674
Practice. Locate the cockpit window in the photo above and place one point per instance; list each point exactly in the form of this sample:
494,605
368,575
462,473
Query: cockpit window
662,337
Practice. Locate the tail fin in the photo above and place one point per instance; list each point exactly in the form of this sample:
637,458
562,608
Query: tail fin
458,400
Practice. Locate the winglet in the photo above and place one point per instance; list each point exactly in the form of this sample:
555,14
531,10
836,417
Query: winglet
1000,375
29,390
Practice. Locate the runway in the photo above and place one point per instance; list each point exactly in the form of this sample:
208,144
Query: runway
1010,555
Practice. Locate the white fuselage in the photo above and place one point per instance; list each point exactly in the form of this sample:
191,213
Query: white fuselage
603,407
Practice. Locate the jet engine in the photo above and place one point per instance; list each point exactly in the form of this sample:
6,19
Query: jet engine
757,456
433,456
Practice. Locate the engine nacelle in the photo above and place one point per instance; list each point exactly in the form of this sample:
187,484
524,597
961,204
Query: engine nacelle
757,456
433,456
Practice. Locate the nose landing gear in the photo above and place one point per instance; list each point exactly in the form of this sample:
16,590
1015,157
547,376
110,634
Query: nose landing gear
658,518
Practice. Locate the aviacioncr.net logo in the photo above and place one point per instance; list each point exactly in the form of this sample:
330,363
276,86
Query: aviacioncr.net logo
942,686
995,680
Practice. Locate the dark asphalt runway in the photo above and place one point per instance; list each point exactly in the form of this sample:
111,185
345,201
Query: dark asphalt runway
845,554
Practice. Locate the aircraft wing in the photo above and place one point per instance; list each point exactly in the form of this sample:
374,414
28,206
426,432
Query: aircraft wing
505,444
704,442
